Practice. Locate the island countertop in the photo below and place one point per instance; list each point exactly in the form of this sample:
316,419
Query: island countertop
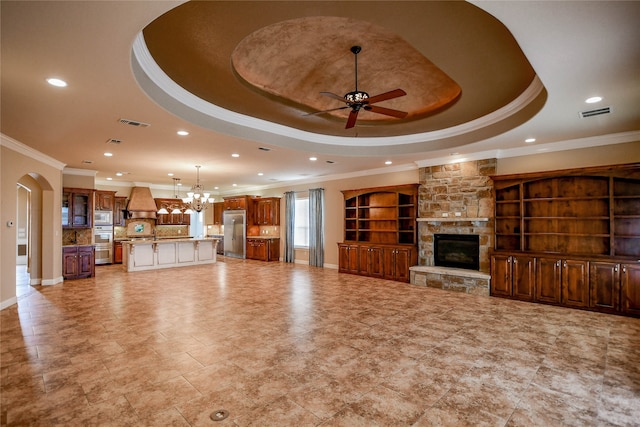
150,254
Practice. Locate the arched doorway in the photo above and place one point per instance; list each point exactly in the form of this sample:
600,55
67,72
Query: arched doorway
23,240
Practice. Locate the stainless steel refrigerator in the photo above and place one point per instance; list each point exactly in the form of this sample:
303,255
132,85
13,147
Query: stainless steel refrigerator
234,233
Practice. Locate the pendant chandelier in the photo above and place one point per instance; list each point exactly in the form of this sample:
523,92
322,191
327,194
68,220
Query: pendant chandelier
197,199
173,208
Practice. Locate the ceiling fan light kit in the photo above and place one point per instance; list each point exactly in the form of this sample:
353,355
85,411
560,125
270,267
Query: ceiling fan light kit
357,99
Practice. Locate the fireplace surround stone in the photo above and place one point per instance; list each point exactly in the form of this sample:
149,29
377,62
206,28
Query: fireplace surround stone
455,198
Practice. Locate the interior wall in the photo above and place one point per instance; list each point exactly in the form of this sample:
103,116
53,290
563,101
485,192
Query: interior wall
615,154
334,205
18,161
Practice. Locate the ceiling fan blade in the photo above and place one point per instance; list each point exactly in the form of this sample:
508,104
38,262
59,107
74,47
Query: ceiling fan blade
334,96
386,111
351,121
326,111
384,96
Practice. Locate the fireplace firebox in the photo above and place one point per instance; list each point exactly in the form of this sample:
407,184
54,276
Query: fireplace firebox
457,251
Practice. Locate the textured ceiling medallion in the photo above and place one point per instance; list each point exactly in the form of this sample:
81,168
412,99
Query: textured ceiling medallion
300,67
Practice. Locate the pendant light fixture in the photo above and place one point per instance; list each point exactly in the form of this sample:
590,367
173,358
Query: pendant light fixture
197,199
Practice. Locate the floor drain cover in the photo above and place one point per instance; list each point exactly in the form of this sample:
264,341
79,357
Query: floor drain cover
219,415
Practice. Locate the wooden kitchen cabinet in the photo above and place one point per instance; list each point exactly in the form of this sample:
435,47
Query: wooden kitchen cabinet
171,218
117,252
104,200
235,203
266,211
218,209
119,207
78,262
263,249
77,208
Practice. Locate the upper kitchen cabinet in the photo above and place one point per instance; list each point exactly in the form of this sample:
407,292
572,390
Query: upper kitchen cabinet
104,200
266,211
77,208
218,208
171,218
235,203
119,207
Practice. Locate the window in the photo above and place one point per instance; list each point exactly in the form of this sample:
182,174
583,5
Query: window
301,226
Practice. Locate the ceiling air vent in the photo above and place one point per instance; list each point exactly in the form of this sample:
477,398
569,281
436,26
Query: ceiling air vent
596,112
114,141
134,123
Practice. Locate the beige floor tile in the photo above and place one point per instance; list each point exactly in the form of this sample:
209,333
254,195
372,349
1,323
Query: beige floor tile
291,345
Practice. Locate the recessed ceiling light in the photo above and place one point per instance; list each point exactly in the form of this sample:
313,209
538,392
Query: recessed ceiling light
313,159
215,188
530,140
108,154
118,173
593,99
109,179
388,162
260,174
234,185
235,155
170,174
182,133
56,82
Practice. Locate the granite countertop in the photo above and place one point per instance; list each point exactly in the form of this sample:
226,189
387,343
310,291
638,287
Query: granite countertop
263,237
138,240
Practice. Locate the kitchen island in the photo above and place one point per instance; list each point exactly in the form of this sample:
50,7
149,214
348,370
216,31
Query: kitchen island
152,254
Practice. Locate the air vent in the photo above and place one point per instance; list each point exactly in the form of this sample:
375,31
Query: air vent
87,162
134,123
596,112
114,141
264,149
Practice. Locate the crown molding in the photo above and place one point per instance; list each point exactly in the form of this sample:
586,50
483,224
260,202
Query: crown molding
12,144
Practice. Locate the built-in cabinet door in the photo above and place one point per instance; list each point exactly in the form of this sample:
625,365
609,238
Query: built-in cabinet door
523,277
85,262
396,263
69,263
371,261
104,200
604,285
501,275
548,280
575,284
630,283
348,258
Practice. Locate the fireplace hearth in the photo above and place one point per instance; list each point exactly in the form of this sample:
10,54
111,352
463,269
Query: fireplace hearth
457,251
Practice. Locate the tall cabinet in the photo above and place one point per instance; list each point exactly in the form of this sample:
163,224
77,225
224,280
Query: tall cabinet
380,237
570,238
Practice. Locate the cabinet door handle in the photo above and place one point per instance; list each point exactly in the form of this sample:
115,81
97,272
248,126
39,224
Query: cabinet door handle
624,268
558,263
515,260
565,264
616,268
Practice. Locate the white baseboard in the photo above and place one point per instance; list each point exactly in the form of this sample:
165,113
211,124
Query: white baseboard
8,303
51,282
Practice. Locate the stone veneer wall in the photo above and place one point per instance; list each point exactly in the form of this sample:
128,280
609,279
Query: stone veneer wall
459,187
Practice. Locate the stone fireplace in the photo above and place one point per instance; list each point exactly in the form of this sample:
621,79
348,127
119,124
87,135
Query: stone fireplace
455,199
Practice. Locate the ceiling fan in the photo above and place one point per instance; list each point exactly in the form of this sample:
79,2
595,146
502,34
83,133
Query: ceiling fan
358,100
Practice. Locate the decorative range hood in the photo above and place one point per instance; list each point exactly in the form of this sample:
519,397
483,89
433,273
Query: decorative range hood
141,204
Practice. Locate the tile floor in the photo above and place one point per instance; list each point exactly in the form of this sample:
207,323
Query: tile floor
279,344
